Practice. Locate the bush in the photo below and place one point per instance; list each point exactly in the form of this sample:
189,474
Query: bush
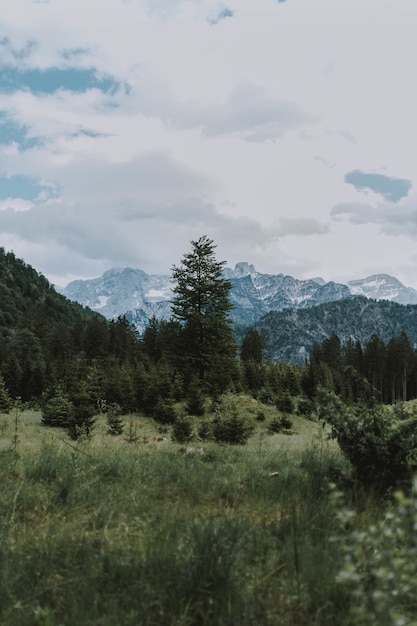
381,447
284,402
305,407
114,421
58,410
279,423
82,421
266,395
380,565
5,399
182,430
164,412
205,430
275,425
227,425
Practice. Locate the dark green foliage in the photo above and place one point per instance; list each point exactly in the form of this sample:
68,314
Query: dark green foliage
182,430
205,430
201,304
82,422
381,448
260,416
114,420
57,409
28,300
227,425
28,378
284,402
164,412
266,395
305,407
280,423
292,333
252,347
380,565
195,400
275,425
5,400
253,376
132,431
286,422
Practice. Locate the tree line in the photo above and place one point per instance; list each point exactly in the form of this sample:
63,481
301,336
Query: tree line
58,349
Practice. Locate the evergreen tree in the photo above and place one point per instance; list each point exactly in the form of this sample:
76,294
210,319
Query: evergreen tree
114,419
5,399
57,410
201,305
252,347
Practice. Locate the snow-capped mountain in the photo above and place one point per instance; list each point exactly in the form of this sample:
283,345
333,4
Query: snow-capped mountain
383,287
126,291
138,295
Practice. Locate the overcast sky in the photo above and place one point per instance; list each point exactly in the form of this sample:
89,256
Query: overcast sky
285,130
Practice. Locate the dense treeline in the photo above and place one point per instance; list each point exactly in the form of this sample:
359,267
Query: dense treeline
50,347
293,333
382,371
55,351
377,371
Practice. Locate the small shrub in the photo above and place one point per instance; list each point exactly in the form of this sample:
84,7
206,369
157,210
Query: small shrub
381,448
165,412
305,407
280,423
227,425
286,422
182,430
82,421
58,410
275,425
114,420
132,432
380,565
260,417
205,430
80,428
284,402
266,395
5,399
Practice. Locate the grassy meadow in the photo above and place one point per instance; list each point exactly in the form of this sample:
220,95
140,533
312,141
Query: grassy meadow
131,531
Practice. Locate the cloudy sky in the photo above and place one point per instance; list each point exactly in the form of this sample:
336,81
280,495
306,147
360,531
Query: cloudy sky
285,130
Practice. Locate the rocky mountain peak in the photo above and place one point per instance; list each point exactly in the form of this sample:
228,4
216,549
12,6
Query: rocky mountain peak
139,296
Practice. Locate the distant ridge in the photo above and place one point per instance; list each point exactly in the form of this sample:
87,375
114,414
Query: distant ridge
139,296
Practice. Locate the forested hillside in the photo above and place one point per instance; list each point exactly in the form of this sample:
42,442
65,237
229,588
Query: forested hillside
45,339
25,295
73,362
293,333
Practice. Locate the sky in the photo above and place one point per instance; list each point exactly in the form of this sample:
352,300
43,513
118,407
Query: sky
284,130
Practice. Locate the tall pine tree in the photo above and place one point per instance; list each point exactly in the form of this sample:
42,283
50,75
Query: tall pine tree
201,305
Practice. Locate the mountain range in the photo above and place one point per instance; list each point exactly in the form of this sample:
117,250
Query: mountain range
139,296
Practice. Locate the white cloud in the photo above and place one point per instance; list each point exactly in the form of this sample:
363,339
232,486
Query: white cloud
15,204
243,130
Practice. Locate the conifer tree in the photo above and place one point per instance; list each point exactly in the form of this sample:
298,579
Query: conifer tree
201,305
5,400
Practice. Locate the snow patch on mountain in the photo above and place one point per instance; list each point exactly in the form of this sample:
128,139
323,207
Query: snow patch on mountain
383,287
139,296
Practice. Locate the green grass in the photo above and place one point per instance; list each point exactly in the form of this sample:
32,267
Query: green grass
109,533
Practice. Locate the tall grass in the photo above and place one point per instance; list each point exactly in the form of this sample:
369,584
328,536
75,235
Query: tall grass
108,533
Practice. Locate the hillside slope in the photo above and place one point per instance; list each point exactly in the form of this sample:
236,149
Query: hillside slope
292,333
25,293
